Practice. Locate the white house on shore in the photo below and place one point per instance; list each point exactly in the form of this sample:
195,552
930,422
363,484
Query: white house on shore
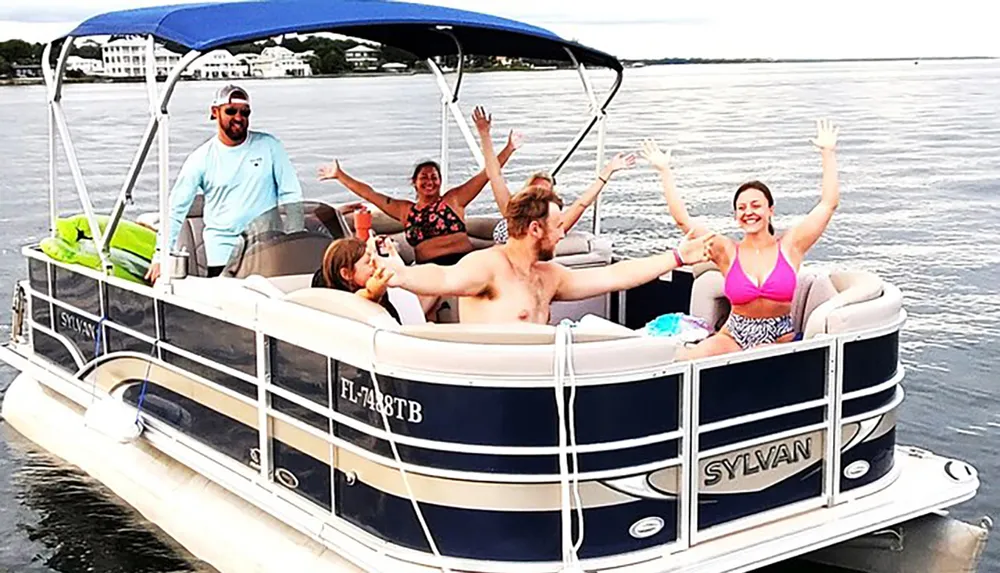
362,57
126,57
87,66
279,62
218,64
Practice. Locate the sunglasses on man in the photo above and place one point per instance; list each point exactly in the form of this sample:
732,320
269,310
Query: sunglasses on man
231,111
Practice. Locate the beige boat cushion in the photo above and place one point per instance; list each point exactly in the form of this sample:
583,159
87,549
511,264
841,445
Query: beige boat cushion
861,300
345,304
522,333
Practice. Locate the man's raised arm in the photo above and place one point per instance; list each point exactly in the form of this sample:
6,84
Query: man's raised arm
469,277
586,283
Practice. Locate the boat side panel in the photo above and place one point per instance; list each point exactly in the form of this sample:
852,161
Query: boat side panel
760,478
754,386
501,535
53,350
868,403
876,456
207,372
760,428
509,416
203,335
117,341
131,310
80,330
39,275
513,464
77,290
302,474
223,433
870,362
41,311
299,412
301,371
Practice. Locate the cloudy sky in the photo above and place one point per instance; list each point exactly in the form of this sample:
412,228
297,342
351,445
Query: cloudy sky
656,28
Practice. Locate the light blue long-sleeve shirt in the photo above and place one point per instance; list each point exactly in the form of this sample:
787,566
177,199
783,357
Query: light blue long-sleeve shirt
239,183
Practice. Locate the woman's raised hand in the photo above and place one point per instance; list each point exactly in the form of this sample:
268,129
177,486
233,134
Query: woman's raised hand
482,120
826,134
656,157
515,139
329,171
622,161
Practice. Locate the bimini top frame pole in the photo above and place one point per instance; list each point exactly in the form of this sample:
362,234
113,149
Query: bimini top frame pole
53,80
450,99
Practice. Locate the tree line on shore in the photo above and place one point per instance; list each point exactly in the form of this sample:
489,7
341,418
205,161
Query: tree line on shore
329,55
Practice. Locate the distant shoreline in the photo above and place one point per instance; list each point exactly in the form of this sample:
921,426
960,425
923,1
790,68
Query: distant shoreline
626,63
686,61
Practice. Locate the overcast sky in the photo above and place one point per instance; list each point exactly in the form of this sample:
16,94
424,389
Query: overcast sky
656,28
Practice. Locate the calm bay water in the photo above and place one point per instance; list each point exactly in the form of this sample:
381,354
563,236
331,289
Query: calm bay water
920,174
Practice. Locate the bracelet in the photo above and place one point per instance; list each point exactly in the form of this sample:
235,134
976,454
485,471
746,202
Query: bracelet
602,180
677,257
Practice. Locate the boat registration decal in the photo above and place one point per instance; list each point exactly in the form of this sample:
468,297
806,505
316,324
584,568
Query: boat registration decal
401,408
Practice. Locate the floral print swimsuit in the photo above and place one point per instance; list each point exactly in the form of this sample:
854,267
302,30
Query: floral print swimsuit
433,220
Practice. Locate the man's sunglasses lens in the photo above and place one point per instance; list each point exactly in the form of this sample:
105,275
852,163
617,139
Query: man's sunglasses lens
231,111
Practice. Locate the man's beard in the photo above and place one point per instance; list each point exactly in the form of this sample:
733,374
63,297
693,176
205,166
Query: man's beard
545,253
236,133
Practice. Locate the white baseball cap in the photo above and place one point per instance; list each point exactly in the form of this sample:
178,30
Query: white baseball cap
229,94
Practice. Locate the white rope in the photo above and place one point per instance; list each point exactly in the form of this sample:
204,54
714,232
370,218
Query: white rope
563,369
380,408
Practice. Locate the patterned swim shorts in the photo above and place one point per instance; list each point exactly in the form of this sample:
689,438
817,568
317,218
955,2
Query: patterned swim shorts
750,332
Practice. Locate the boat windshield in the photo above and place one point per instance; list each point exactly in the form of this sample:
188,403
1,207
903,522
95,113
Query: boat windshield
286,240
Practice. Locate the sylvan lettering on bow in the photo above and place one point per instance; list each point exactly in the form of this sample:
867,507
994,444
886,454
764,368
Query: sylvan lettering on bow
408,410
76,324
758,460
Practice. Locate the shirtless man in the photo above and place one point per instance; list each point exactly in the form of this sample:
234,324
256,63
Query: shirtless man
517,282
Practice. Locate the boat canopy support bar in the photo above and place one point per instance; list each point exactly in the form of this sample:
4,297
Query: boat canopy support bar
157,122
599,118
54,79
450,99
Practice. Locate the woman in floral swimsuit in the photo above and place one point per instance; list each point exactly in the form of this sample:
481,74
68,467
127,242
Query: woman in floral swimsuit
434,224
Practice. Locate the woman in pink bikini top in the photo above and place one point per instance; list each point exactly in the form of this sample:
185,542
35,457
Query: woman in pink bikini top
761,270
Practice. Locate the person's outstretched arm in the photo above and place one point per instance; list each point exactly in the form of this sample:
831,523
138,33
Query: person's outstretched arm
803,236
483,123
468,277
661,162
571,215
585,283
395,208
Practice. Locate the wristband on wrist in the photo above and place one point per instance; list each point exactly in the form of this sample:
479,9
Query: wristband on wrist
677,258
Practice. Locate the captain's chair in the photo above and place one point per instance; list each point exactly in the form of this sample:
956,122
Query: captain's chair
191,238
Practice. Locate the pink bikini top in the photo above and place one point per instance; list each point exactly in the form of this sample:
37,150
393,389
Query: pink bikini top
779,285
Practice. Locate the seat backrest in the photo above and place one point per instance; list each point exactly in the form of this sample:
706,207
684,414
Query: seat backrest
293,254
191,238
850,300
344,304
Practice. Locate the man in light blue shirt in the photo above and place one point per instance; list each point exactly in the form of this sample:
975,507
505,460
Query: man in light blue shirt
241,173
